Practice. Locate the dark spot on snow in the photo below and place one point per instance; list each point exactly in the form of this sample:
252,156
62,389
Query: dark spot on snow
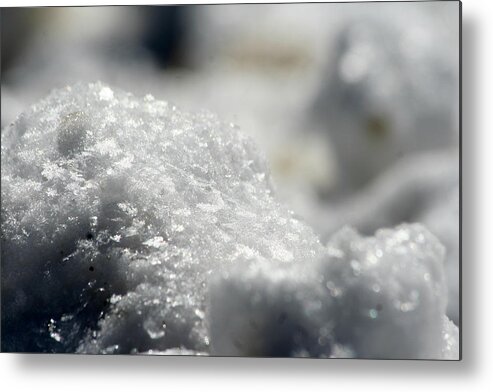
91,268
72,133
378,127
89,236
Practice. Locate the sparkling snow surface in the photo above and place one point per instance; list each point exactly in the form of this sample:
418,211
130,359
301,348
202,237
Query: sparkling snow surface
129,226
374,297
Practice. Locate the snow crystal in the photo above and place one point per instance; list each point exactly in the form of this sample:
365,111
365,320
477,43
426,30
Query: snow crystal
370,297
105,94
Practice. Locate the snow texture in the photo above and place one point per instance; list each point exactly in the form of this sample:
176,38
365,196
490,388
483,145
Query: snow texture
118,212
422,188
370,297
115,210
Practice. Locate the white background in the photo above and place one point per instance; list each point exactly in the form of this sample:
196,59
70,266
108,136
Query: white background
474,373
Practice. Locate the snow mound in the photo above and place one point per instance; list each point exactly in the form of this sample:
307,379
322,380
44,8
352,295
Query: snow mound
370,297
422,187
116,210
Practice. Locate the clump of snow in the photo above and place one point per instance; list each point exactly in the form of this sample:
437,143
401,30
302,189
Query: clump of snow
422,188
115,211
370,297
443,218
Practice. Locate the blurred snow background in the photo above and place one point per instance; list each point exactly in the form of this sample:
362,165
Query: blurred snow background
355,105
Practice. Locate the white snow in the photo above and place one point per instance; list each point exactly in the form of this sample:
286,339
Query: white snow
376,297
390,88
422,188
79,228
117,213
